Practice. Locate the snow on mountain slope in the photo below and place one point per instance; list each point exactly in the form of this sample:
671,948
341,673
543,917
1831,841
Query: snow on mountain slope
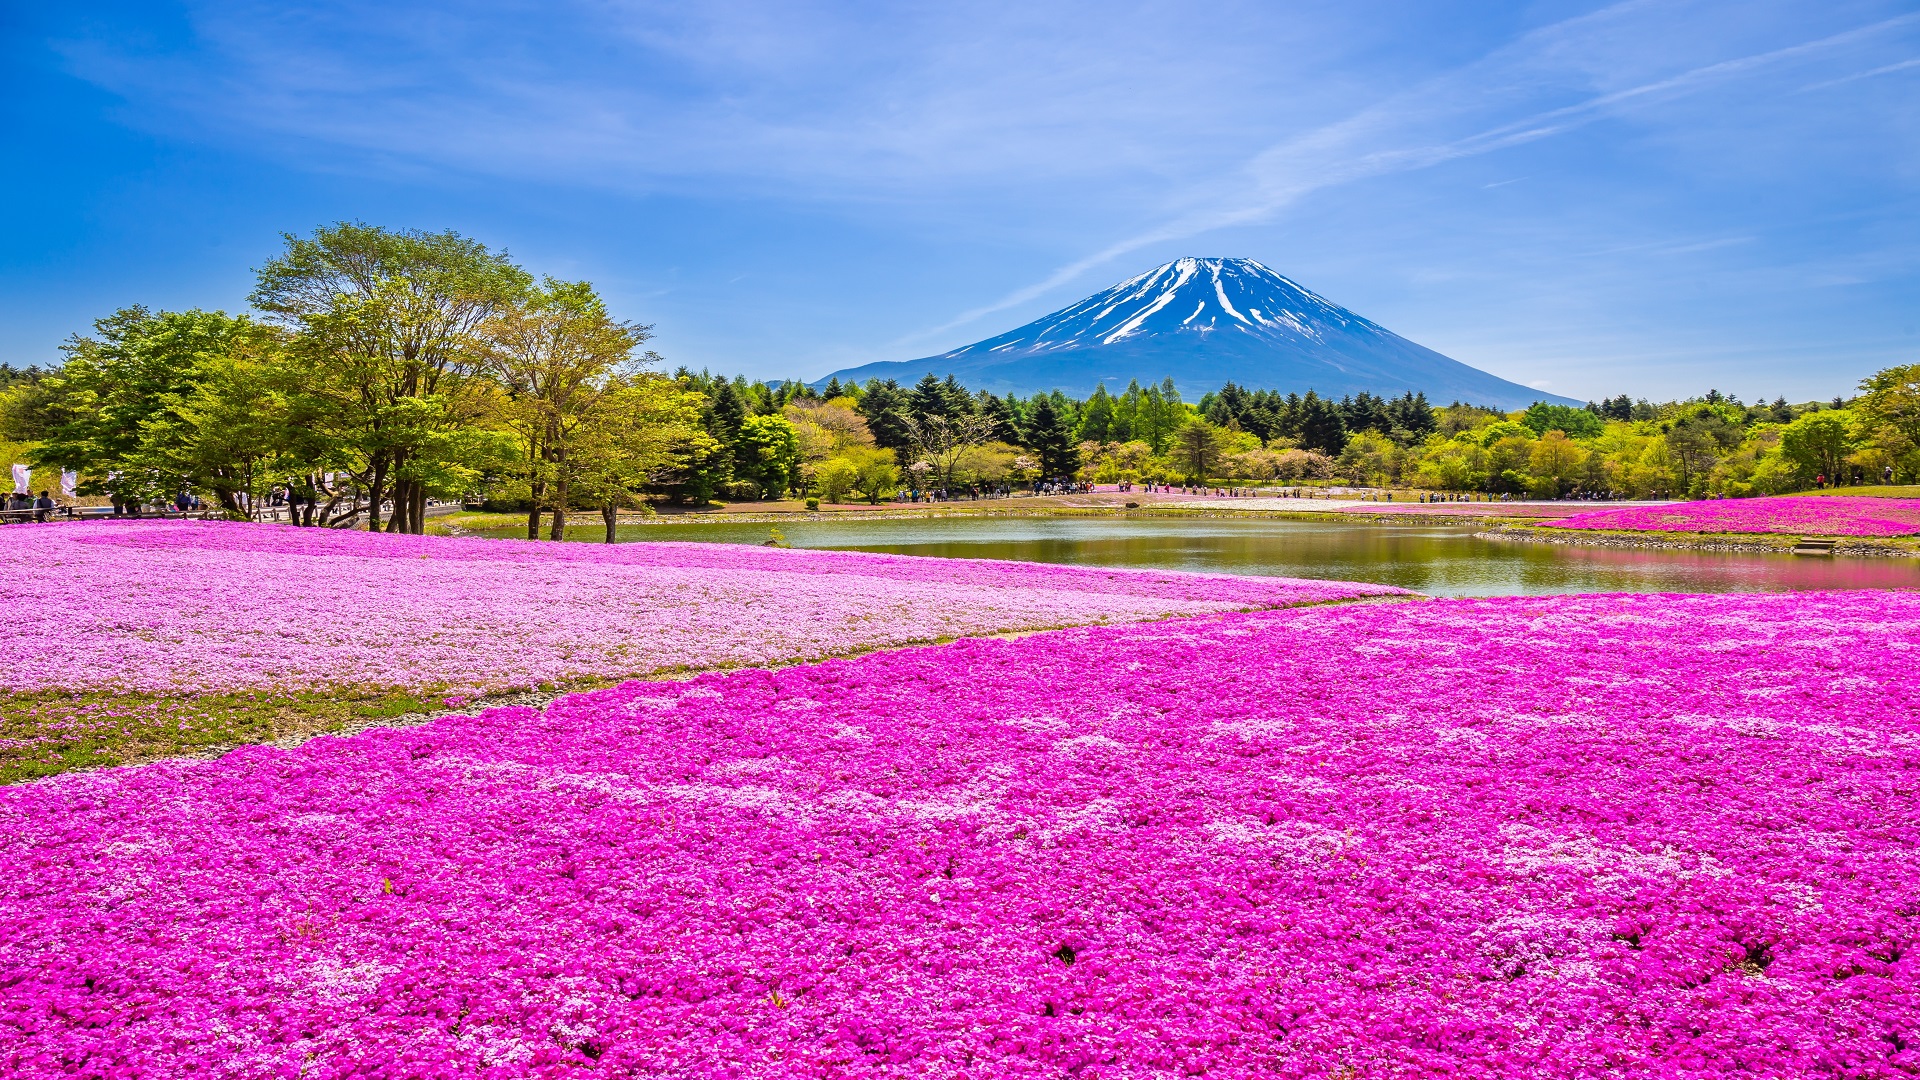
1205,322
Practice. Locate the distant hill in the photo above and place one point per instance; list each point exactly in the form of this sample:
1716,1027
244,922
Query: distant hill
1206,322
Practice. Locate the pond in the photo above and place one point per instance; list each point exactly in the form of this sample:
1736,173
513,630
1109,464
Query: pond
1439,558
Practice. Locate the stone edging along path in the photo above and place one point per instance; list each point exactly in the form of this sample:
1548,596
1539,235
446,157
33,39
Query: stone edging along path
1754,543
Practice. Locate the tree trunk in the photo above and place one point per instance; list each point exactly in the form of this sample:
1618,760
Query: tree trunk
419,509
559,531
402,501
375,488
611,514
538,489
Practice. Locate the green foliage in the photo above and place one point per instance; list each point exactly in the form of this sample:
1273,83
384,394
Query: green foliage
1198,447
1819,443
767,453
154,403
1051,441
885,408
1541,418
386,325
1319,425
1096,419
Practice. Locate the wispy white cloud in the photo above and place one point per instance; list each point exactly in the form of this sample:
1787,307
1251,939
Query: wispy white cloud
1395,136
866,162
813,101
1884,69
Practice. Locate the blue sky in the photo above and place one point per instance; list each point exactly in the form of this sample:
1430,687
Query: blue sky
1645,197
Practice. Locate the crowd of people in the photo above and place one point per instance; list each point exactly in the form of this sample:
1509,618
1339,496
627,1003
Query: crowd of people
23,506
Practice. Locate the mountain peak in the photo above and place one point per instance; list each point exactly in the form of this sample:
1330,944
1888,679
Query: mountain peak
1186,296
1205,322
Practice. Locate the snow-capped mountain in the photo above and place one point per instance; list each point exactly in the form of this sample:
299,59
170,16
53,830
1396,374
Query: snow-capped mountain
1206,322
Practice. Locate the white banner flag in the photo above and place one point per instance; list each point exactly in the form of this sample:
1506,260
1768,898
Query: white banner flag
70,484
22,479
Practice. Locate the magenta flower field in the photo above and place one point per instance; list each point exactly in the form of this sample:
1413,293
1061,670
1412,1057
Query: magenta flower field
1799,515
1470,509
1613,836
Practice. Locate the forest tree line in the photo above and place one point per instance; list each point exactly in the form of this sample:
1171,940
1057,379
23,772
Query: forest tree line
380,369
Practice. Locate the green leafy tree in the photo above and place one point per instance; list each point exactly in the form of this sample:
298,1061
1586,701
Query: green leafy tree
386,325
879,475
1892,398
229,432
1888,410
560,360
640,435
1369,456
1555,462
767,453
1819,443
1542,417
835,478
120,390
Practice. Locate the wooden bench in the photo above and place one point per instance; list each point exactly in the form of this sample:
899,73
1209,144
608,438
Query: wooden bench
1809,546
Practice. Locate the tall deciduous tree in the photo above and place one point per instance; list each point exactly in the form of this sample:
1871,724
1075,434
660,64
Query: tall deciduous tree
386,327
1819,443
114,411
561,360
644,430
230,432
942,440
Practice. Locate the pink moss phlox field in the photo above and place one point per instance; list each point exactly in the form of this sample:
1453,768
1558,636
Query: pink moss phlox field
170,607
1471,509
1613,836
1801,515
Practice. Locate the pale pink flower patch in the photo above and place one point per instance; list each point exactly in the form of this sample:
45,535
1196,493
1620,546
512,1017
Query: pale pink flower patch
169,607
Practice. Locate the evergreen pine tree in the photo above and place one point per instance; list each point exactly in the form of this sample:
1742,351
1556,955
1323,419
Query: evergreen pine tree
727,412
1097,417
928,398
959,402
1320,425
1049,439
996,409
884,405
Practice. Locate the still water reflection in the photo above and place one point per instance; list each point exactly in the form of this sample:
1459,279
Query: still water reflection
1432,557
